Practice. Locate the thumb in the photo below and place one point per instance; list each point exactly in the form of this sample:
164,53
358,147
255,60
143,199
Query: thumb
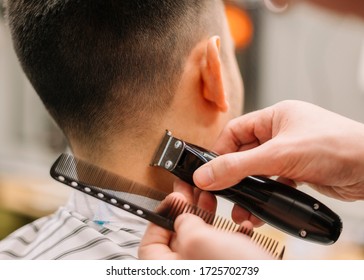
229,169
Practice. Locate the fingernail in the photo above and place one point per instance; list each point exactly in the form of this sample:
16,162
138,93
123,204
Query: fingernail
203,176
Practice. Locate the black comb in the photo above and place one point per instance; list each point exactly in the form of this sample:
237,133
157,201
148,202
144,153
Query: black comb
159,209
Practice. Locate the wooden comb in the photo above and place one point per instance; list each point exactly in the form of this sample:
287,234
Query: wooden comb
150,204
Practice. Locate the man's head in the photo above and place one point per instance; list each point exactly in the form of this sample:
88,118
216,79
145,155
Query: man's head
108,67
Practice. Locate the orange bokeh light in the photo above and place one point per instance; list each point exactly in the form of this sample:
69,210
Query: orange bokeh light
241,26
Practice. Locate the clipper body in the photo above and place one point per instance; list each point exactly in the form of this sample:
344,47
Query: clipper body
279,205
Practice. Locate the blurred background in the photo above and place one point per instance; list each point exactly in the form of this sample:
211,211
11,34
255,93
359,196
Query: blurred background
301,53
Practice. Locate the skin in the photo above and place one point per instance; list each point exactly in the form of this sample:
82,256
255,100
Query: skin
193,238
159,243
205,91
196,240
288,140
292,139
295,140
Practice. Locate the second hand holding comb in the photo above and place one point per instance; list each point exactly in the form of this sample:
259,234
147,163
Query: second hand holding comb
157,207
279,205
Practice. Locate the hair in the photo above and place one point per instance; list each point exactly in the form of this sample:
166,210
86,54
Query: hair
98,65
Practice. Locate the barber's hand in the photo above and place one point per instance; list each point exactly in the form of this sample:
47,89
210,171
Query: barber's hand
295,140
194,239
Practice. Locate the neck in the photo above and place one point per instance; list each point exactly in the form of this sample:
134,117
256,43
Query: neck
130,158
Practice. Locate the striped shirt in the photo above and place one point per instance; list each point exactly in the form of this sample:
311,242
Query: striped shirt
85,228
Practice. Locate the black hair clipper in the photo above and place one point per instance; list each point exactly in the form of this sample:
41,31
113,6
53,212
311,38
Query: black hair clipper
279,205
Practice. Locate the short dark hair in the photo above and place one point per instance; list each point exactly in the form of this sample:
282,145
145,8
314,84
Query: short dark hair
88,58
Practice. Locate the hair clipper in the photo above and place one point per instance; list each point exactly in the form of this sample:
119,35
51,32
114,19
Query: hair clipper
277,204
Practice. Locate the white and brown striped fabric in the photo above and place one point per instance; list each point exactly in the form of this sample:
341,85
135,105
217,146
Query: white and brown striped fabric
86,228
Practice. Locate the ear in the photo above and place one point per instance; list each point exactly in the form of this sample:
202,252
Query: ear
212,82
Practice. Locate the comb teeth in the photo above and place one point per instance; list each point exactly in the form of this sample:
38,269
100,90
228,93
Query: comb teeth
172,208
71,168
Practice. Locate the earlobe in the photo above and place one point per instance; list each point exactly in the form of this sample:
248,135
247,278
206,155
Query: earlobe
213,88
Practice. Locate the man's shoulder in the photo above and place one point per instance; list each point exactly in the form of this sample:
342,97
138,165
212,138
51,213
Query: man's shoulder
67,235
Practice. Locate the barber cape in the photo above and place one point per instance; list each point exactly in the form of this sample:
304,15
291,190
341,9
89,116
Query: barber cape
85,228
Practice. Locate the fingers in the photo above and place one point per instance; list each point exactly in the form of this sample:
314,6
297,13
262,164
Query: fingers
197,240
240,215
207,201
202,199
246,132
249,146
185,189
287,182
155,244
156,240
229,169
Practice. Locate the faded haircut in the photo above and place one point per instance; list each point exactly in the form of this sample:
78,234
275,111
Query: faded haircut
99,64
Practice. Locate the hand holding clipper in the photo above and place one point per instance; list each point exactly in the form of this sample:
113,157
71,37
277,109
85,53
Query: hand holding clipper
279,205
